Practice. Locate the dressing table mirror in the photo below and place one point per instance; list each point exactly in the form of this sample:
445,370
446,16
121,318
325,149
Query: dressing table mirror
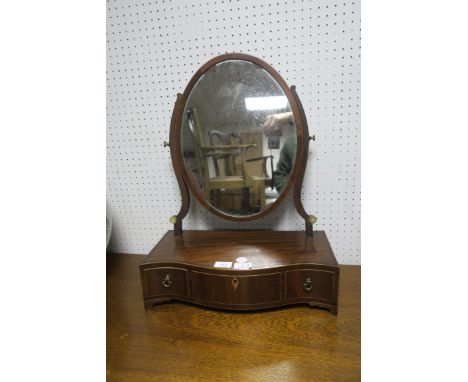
239,144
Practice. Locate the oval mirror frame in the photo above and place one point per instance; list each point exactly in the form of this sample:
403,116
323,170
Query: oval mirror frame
184,179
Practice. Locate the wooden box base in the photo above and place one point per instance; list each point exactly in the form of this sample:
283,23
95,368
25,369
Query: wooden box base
288,267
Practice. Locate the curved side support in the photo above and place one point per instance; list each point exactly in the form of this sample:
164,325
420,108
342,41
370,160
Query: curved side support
309,219
174,140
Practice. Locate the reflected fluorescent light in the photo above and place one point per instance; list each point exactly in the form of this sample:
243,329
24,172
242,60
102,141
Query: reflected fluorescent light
266,103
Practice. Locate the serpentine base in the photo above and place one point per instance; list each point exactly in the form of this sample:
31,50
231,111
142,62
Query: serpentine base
284,268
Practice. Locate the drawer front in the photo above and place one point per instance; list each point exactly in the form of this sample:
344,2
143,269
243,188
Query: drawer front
310,283
236,290
166,281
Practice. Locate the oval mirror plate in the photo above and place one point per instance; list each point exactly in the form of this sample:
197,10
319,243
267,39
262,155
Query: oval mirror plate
238,139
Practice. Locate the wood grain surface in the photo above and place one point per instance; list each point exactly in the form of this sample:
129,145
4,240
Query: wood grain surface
181,342
264,249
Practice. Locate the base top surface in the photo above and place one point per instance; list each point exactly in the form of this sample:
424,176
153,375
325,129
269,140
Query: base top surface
263,249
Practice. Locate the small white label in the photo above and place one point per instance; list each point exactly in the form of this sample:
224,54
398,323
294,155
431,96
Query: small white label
242,266
223,264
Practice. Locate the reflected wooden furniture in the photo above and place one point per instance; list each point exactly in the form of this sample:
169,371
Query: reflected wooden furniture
226,153
255,164
287,268
226,164
180,342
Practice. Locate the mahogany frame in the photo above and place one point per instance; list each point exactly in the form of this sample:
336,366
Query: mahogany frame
300,162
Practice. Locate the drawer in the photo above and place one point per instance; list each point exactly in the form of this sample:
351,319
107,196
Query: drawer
236,290
310,283
166,281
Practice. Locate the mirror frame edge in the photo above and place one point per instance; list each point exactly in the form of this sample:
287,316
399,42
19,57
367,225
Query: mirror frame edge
180,169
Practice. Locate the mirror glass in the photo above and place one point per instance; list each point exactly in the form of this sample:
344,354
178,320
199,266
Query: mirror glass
238,137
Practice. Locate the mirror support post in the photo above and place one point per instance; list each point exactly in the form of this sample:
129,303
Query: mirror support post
309,219
309,229
174,139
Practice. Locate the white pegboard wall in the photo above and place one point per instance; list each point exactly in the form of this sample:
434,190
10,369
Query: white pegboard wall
154,48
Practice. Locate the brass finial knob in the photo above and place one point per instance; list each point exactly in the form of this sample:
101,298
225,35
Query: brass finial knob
173,219
312,219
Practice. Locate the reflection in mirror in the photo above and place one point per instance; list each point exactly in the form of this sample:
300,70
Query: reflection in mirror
238,137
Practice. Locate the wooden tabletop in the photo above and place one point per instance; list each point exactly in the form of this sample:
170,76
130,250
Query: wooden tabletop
264,249
181,342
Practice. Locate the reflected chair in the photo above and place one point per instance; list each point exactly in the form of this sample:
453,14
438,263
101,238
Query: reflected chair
234,166
223,154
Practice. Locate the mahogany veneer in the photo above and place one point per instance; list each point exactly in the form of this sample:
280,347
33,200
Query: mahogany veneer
288,267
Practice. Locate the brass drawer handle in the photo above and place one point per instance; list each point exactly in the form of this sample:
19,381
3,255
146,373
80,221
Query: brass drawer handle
167,281
308,284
